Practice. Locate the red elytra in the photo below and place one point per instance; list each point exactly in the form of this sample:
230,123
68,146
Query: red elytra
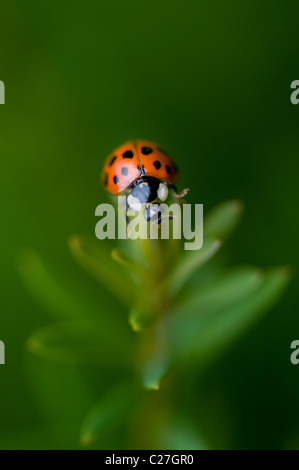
135,159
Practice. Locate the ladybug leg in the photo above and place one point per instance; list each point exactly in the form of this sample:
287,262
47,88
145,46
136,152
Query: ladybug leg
181,194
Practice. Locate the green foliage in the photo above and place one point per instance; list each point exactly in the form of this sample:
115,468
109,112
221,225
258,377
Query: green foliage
180,324
109,412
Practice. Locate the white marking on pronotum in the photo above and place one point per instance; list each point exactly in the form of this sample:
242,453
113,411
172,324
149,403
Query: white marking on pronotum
134,203
2,93
162,192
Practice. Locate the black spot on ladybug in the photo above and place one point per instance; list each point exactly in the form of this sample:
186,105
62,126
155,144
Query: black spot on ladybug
128,154
146,150
124,171
168,169
141,169
163,151
106,179
112,161
115,179
157,164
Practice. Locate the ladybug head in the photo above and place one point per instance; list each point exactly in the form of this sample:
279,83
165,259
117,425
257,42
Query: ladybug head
145,191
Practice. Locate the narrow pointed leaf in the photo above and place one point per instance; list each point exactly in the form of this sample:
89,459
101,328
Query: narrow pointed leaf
154,370
179,434
95,256
206,331
140,317
240,317
220,291
201,306
188,264
135,270
155,359
223,220
43,286
83,341
110,412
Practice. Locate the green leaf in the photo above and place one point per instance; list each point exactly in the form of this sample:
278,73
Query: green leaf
84,341
154,357
140,317
188,263
124,259
95,257
179,434
215,320
222,220
221,290
154,370
48,292
111,411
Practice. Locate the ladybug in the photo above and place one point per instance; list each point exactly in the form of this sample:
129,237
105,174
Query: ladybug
145,171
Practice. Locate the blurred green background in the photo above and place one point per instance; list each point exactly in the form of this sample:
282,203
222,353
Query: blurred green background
211,82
